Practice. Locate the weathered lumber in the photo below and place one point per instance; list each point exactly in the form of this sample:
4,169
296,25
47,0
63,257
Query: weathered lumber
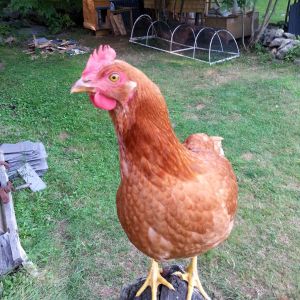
128,292
12,254
25,152
120,24
114,25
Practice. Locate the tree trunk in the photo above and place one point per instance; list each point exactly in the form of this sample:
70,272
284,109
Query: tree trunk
243,27
252,21
268,14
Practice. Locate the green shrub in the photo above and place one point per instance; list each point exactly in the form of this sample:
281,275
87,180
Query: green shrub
293,54
56,15
5,30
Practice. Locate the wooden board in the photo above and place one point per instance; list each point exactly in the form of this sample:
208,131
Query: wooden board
175,5
199,6
9,225
6,259
233,24
120,24
114,25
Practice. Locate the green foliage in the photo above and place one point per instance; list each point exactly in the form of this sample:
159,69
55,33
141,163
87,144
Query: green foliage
279,13
5,30
57,15
261,52
260,49
241,3
293,54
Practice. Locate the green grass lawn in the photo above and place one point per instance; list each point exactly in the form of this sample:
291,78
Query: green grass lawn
279,13
71,231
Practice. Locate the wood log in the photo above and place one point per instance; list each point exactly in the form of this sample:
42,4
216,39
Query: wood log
128,292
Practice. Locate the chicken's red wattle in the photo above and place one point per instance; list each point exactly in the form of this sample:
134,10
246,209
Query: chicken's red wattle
103,102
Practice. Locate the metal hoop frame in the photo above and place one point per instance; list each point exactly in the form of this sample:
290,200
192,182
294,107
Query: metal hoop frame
180,52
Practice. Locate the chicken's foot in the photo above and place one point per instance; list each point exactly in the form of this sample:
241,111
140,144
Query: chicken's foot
154,279
192,278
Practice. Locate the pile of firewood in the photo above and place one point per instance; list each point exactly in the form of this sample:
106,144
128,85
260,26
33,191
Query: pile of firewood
45,46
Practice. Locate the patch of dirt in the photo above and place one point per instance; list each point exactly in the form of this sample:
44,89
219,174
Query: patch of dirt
283,238
61,231
294,186
218,78
63,136
95,285
8,130
283,298
70,150
190,116
132,260
247,156
200,106
234,117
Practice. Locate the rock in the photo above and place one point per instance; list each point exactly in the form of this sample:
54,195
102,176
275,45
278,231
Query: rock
297,61
128,292
277,42
267,40
284,44
273,52
10,40
289,35
271,34
282,51
279,33
1,66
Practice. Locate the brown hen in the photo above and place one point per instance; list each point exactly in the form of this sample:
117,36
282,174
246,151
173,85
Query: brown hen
175,200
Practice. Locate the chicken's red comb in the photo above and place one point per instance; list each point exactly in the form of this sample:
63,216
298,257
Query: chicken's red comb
101,57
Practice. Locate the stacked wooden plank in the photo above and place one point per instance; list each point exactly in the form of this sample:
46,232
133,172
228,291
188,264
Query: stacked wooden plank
17,155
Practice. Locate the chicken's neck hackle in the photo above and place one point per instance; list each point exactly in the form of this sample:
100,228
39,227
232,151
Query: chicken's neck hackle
145,134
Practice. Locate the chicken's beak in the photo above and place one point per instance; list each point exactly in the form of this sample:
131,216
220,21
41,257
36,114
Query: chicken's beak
81,86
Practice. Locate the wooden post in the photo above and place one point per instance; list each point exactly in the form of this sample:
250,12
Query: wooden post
12,254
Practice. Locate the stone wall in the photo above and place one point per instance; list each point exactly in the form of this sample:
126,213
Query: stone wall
279,42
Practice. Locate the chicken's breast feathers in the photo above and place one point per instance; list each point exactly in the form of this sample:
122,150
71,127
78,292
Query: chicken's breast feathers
167,217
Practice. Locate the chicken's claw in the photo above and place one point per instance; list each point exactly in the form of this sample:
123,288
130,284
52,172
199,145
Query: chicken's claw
192,278
154,279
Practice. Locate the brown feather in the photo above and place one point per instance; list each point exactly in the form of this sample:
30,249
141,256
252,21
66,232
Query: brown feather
175,200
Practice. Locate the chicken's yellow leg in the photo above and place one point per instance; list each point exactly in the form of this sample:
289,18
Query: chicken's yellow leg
192,278
154,279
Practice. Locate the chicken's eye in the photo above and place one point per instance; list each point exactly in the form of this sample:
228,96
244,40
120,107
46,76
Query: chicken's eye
114,77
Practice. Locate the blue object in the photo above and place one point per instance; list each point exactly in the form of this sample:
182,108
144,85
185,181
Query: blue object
294,19
112,6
